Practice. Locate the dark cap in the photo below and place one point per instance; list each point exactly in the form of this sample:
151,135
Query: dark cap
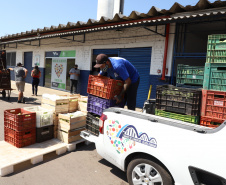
76,65
19,64
101,59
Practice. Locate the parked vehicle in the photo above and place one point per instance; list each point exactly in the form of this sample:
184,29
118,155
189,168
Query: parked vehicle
160,151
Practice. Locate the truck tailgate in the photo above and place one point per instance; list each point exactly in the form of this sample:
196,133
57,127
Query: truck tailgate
88,136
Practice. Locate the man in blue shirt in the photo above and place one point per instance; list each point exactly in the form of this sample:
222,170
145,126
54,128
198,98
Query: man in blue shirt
121,69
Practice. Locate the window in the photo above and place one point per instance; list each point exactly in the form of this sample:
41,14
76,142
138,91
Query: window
11,59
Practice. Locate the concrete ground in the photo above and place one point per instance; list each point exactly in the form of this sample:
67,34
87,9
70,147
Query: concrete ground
41,90
83,166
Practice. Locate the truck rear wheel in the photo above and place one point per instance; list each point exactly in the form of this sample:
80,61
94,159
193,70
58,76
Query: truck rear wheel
144,171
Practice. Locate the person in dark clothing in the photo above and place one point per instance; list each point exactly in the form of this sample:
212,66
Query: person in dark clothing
121,69
36,74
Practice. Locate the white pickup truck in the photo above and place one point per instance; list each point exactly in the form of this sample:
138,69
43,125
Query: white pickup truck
160,151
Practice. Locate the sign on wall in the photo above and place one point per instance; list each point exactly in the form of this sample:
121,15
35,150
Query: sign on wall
51,54
37,60
58,75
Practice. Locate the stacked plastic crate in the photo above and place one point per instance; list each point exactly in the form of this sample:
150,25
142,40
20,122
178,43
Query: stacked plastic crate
44,123
213,111
102,91
178,103
19,127
189,76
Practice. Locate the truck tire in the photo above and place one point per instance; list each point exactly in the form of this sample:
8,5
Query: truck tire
145,171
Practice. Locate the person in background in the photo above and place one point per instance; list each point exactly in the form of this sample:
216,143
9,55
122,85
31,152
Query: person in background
121,69
36,74
20,75
74,76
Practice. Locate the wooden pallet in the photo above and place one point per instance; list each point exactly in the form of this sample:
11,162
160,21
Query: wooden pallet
10,155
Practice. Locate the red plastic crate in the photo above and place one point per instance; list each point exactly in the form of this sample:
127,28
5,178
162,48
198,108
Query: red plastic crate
104,87
20,139
27,120
214,104
210,122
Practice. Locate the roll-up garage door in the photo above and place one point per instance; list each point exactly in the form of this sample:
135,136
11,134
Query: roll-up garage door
28,65
141,59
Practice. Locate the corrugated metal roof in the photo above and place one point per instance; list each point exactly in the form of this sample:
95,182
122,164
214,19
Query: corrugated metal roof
154,16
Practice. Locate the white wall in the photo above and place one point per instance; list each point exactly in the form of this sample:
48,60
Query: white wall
127,38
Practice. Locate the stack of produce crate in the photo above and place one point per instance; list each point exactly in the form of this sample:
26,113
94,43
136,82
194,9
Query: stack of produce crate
189,76
214,86
58,104
102,91
178,103
19,127
70,125
82,103
73,102
5,82
44,123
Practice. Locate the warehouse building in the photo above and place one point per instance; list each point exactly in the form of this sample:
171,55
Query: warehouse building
154,42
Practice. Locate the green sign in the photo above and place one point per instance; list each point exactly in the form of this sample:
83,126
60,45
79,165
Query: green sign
67,53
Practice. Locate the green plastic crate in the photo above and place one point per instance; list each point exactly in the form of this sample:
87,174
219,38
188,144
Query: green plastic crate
216,49
215,77
190,75
181,117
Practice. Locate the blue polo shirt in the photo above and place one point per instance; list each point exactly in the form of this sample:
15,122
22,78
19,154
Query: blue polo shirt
122,69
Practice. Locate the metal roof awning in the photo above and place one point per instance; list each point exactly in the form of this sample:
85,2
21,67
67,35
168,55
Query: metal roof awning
202,11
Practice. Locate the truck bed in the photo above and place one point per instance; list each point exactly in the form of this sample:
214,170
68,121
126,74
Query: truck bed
166,121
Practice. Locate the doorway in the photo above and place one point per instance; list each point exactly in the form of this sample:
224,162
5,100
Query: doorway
70,64
48,70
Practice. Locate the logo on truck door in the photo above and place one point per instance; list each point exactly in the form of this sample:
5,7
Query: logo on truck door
125,138
130,132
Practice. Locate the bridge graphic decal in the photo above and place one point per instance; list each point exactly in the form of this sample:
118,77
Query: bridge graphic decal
130,132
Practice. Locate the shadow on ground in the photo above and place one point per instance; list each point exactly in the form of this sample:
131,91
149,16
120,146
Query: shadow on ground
29,100
114,170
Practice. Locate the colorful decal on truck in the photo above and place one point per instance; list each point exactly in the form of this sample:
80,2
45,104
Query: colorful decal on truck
125,138
121,144
130,132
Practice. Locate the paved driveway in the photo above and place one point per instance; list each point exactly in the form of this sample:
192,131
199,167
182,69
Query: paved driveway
83,166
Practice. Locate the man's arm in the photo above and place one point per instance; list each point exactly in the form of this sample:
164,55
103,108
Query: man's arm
26,71
126,85
70,72
77,73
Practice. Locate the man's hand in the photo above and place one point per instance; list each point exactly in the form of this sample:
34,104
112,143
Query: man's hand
118,99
